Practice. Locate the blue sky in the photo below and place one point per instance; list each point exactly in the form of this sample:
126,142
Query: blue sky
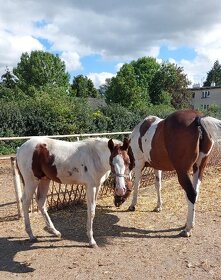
95,38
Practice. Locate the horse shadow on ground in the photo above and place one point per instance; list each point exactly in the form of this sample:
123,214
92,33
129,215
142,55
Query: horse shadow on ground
71,222
105,226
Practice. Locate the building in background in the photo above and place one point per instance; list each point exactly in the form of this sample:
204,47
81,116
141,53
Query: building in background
204,97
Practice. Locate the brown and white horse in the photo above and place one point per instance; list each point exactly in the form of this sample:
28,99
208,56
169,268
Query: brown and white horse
41,159
181,142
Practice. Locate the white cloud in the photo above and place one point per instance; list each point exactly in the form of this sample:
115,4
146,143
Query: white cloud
122,30
12,46
118,66
72,60
99,78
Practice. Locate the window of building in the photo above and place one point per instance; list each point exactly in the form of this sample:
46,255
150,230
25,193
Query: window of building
204,106
205,94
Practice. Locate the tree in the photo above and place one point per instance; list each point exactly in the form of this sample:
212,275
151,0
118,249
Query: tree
124,88
130,87
214,75
8,79
40,69
145,81
8,87
169,86
82,86
145,69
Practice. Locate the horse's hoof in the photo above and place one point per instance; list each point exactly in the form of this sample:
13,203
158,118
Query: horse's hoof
33,239
131,208
58,234
185,233
94,246
53,231
47,229
157,209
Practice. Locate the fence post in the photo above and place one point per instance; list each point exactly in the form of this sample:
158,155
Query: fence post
17,186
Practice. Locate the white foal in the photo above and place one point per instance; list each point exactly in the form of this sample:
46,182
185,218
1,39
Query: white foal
41,159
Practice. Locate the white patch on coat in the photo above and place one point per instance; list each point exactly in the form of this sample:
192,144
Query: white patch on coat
147,139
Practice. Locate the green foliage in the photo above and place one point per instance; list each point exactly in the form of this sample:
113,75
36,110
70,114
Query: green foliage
9,94
214,111
8,80
42,102
124,89
145,82
145,69
161,111
169,86
82,86
214,75
119,118
40,69
11,119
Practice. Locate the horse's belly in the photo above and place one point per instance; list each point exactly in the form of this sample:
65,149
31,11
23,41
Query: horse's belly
71,177
160,161
164,166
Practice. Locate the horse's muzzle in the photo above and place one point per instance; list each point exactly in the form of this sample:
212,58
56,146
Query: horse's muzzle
118,200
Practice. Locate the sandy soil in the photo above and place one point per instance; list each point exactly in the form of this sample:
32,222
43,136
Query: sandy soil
132,245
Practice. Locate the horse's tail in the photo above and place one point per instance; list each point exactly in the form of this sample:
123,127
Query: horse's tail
212,127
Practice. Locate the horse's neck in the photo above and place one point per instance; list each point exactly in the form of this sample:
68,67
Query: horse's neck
105,155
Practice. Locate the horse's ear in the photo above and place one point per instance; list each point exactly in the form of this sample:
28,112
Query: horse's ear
126,144
111,145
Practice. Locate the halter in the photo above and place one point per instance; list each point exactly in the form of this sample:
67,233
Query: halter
127,178
121,175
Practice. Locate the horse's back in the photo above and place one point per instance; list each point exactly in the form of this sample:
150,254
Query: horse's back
168,144
63,161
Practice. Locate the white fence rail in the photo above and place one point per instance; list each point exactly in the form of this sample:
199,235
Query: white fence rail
78,136
67,136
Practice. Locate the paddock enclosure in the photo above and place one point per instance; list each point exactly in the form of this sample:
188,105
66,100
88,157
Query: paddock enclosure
132,245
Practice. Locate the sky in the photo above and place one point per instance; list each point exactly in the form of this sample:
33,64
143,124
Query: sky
96,37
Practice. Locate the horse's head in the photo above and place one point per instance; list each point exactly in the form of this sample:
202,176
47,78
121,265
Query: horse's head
121,162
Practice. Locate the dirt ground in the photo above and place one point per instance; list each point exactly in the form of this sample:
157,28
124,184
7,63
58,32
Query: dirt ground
132,245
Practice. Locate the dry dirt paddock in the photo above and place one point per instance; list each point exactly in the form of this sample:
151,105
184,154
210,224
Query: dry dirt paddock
132,245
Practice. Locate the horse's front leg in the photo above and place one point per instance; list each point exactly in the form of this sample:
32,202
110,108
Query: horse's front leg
158,186
91,205
138,174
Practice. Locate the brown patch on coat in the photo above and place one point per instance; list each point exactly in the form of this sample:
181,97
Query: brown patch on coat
143,129
42,163
132,159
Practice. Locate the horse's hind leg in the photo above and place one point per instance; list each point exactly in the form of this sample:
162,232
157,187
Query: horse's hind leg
29,189
42,191
187,185
158,185
198,169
